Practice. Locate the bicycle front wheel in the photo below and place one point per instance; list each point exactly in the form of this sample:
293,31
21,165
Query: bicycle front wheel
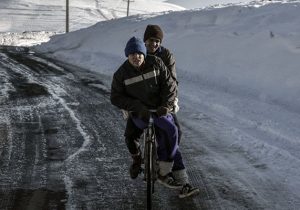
149,175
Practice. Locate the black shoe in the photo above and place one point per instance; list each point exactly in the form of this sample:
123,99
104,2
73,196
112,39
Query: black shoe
135,168
187,190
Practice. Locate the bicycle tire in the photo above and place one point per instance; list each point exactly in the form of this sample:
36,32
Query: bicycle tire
149,175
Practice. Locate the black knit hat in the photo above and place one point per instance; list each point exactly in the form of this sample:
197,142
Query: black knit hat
153,31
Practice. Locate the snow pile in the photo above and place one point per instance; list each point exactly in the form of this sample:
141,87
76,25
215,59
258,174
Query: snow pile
25,39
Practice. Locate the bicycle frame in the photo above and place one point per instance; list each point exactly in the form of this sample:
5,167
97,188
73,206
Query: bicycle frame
150,159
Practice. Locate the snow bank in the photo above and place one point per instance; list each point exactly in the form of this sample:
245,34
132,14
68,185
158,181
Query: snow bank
251,50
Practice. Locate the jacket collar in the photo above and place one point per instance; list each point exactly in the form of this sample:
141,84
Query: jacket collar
157,52
133,68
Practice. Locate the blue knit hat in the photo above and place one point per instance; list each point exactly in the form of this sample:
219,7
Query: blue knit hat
135,45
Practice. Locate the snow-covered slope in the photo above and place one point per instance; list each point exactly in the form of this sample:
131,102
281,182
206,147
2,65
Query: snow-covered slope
36,15
191,4
231,48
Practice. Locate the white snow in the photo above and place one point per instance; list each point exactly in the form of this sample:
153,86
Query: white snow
191,4
238,68
25,38
37,15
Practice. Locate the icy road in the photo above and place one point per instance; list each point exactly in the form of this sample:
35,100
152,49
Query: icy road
61,142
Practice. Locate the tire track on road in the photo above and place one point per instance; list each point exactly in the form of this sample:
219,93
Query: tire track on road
26,166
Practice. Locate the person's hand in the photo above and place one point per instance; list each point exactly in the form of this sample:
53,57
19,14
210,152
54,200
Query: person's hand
162,111
144,115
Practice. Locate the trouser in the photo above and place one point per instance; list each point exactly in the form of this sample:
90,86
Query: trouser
167,139
133,133
178,127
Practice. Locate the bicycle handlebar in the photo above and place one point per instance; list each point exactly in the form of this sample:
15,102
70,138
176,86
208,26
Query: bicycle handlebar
150,110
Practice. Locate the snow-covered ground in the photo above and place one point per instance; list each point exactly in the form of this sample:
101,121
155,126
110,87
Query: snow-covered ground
37,15
191,4
238,69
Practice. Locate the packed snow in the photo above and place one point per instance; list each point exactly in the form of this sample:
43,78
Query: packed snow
239,86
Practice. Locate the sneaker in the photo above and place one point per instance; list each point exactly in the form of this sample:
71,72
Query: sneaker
169,181
187,190
135,167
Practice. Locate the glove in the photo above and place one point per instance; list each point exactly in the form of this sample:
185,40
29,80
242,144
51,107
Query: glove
144,115
162,111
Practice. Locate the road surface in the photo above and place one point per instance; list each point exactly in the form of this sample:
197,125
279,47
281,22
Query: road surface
61,142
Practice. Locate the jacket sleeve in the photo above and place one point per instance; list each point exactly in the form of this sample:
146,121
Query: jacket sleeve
119,98
168,87
170,63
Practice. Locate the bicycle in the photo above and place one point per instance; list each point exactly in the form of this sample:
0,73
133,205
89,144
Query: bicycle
150,159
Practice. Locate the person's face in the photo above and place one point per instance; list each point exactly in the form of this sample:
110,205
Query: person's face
152,44
136,59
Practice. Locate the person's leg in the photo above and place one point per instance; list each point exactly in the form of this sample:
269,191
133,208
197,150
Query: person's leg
166,133
132,135
178,162
180,176
178,127
179,173
167,125
139,123
178,170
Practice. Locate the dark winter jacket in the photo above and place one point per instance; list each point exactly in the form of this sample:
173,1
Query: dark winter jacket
168,59
148,88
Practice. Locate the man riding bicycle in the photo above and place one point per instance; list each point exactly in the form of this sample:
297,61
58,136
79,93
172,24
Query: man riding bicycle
142,83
